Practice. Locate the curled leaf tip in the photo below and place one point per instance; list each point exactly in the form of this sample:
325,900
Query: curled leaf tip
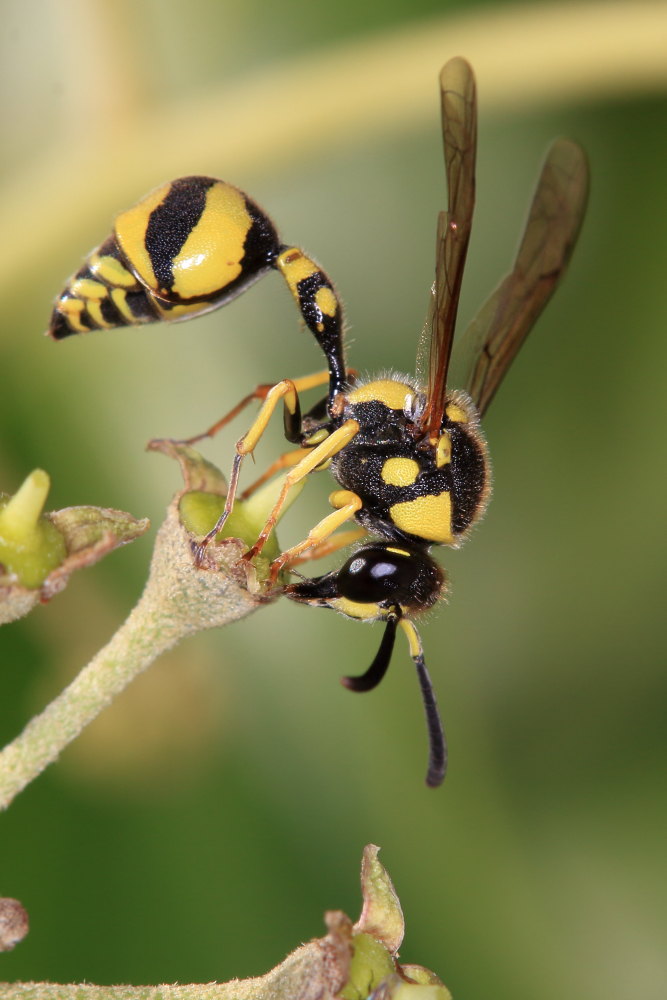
198,473
381,914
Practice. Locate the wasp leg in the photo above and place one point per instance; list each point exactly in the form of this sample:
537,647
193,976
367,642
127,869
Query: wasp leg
327,546
437,760
314,458
285,391
319,455
260,392
285,461
346,503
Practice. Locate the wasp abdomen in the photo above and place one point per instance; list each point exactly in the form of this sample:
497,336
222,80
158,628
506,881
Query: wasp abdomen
188,247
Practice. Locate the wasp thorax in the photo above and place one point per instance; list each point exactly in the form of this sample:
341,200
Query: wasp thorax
392,393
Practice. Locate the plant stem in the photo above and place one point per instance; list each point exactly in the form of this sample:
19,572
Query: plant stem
179,599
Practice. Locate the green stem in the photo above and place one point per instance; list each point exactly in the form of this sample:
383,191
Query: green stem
179,599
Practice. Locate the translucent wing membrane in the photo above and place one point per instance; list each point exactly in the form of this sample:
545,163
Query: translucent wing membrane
487,348
459,126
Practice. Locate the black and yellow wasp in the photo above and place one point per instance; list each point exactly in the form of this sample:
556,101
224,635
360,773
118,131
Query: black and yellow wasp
410,458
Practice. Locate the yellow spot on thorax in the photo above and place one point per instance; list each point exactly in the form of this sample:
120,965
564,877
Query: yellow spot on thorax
456,413
427,517
389,391
443,451
400,471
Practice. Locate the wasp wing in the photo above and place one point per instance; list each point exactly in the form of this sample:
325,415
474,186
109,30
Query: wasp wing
488,346
459,129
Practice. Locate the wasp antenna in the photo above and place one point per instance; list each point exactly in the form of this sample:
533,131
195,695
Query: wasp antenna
378,668
437,756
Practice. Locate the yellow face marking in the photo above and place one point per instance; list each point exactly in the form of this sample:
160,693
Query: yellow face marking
130,232
388,391
111,271
212,254
426,517
400,471
86,288
326,301
456,413
396,551
443,451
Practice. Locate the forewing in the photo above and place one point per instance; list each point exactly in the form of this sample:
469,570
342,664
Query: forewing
487,348
459,129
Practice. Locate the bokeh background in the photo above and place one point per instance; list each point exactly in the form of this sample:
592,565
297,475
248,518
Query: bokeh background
201,826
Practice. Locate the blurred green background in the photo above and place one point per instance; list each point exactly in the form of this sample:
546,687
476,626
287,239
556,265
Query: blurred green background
199,829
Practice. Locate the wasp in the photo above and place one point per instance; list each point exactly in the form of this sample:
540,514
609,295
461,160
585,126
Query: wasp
409,456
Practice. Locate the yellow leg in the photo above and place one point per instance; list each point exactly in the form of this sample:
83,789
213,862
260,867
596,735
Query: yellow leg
346,503
313,458
285,391
285,461
327,546
331,445
260,392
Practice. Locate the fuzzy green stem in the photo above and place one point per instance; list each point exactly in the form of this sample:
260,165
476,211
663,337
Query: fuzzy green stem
58,991
179,599
135,645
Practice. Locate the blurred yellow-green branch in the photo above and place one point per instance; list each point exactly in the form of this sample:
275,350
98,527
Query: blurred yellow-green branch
522,56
